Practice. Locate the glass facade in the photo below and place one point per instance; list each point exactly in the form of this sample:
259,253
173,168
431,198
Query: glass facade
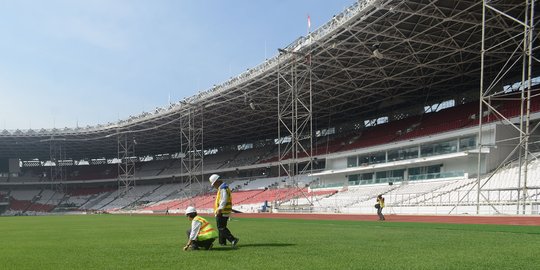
467,143
377,177
439,148
372,158
401,154
416,173
424,150
435,175
352,161
425,170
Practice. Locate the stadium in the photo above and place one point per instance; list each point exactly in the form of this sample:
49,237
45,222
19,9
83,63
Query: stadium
433,104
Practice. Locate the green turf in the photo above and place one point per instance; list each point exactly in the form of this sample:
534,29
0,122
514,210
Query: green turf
154,242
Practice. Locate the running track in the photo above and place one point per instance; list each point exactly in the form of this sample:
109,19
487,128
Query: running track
502,220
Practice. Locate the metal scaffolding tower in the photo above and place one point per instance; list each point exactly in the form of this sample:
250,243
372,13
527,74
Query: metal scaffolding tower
57,155
126,165
191,141
518,24
295,118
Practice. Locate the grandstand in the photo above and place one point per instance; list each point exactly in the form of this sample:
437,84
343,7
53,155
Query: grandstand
395,111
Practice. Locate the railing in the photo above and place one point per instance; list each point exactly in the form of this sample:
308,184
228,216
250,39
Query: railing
395,179
326,185
436,175
376,181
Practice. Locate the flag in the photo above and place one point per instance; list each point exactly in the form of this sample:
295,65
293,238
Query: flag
308,22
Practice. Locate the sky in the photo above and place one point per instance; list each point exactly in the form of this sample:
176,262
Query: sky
67,63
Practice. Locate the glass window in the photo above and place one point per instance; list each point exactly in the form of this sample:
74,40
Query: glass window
379,157
366,176
446,147
467,143
401,154
434,169
427,150
415,171
397,173
393,155
380,175
411,152
352,161
363,160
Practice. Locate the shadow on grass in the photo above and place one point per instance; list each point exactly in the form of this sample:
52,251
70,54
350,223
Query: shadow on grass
229,248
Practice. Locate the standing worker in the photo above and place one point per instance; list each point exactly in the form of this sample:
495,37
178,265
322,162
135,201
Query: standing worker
222,210
201,234
380,205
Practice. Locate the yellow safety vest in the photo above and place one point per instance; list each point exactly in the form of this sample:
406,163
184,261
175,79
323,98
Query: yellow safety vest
380,202
228,206
207,231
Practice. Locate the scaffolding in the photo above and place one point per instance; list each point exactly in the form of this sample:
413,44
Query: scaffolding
518,24
126,163
295,120
57,156
192,157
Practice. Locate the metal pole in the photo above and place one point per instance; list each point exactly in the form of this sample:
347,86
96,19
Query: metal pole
521,108
480,113
202,150
310,124
528,56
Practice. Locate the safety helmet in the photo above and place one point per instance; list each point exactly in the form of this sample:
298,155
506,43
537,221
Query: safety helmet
190,210
213,178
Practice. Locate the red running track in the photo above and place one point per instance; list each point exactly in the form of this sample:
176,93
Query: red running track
502,220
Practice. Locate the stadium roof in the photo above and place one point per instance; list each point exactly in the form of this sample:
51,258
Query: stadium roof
428,51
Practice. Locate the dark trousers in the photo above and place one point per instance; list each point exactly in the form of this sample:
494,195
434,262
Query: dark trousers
196,245
224,233
379,212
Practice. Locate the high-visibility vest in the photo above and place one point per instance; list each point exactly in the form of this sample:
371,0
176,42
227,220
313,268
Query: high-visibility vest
228,206
380,202
207,231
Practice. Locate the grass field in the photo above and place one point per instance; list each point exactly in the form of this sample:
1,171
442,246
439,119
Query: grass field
155,242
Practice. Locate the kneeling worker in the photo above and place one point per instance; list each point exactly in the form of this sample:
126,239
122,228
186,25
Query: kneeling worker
202,234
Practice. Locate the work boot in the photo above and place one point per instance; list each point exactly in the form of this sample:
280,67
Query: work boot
234,242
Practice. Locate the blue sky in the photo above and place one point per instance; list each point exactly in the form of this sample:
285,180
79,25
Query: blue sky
65,62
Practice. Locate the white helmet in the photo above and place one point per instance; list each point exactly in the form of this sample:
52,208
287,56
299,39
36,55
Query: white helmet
190,210
213,178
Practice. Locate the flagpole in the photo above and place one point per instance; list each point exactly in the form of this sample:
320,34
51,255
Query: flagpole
308,24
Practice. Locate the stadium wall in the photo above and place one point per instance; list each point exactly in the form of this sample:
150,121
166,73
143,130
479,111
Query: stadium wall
504,141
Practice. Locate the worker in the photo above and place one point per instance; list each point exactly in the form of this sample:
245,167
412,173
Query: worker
202,234
380,205
222,210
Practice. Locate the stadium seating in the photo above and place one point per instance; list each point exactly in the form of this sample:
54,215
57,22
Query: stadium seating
25,195
416,126
19,205
411,127
412,197
133,195
152,168
251,193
